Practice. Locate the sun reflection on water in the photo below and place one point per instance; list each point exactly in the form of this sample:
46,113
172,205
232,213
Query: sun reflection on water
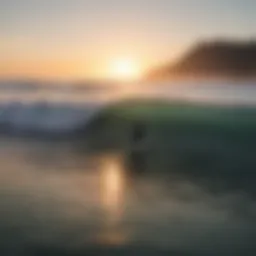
113,184
113,200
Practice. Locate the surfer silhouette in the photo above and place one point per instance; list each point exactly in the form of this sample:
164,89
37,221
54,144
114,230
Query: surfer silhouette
136,154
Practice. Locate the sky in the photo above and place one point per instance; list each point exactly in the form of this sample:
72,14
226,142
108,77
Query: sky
80,38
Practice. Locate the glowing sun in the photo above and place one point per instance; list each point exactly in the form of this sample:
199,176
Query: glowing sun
125,69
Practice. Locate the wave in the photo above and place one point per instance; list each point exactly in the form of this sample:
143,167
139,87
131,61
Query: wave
33,107
45,117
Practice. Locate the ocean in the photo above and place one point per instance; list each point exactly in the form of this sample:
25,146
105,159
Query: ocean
70,184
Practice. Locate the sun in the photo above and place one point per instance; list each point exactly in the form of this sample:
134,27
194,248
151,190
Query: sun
124,69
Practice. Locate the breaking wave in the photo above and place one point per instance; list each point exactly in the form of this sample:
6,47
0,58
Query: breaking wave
32,107
44,117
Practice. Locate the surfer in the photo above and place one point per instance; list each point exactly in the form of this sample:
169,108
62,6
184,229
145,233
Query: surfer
136,155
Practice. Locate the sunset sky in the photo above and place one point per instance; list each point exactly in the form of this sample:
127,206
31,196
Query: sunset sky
84,38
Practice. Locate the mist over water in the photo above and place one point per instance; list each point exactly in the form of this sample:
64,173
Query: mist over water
58,199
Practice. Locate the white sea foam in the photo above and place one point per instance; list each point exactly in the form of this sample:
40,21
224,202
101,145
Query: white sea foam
52,107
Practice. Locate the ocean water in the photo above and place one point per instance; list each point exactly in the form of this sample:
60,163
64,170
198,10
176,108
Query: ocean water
194,196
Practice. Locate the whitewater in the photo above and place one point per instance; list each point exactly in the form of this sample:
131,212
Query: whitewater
48,107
